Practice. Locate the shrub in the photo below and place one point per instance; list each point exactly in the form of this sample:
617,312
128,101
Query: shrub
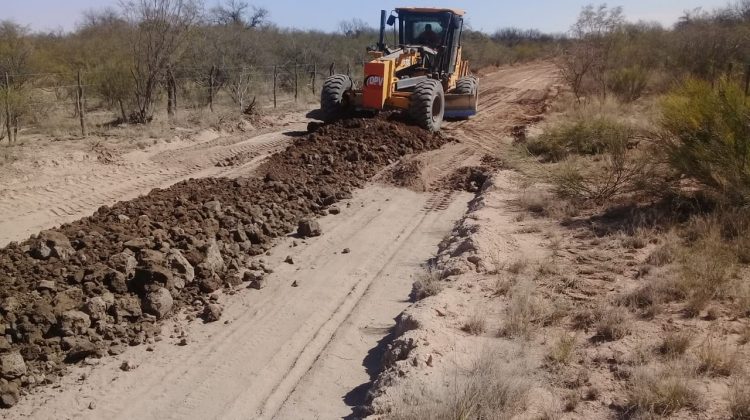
662,390
581,136
628,83
739,399
617,175
612,323
426,285
706,136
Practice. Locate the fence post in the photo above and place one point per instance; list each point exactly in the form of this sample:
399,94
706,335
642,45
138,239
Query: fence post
747,80
314,75
171,94
7,108
349,69
81,105
275,71
296,82
332,69
211,88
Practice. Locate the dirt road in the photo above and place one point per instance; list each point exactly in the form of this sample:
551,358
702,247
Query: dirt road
61,184
308,345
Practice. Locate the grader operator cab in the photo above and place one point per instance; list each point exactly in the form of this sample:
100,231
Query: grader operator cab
423,75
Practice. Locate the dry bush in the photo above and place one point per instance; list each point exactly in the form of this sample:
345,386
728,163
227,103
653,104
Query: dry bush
675,344
617,174
517,266
612,323
707,269
628,83
428,284
662,390
524,311
563,350
535,201
739,399
663,255
581,135
475,325
489,390
717,360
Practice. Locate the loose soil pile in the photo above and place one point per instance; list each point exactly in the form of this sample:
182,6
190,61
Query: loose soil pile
95,286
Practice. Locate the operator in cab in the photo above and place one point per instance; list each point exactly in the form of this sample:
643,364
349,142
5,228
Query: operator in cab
428,37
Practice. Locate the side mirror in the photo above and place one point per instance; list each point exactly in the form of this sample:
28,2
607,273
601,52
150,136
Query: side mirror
391,20
457,23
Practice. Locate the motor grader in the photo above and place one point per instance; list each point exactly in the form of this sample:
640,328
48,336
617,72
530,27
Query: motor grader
423,75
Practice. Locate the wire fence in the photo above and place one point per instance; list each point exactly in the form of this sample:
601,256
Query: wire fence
25,97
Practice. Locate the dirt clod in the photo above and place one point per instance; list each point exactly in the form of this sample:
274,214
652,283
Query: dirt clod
308,228
212,313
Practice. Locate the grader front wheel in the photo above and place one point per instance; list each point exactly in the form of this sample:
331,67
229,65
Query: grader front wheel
427,106
332,97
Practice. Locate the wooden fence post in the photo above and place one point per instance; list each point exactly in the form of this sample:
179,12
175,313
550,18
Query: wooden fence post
296,82
332,69
81,105
171,94
275,71
314,75
211,88
349,69
7,108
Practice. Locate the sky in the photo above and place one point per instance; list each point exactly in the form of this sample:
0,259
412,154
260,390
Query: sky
487,15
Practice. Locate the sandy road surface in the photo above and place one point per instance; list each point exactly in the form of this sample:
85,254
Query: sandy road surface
66,187
307,351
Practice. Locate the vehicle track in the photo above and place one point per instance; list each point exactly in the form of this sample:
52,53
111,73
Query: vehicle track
28,209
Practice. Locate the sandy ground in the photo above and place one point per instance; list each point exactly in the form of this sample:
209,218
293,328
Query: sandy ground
308,345
55,182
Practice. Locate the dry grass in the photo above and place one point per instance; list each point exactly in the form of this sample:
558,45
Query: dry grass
535,201
664,254
523,312
426,285
716,360
675,344
662,390
739,399
475,325
489,390
706,271
563,350
612,323
517,266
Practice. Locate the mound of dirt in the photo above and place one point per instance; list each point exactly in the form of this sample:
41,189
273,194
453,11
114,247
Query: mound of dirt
471,178
94,286
407,173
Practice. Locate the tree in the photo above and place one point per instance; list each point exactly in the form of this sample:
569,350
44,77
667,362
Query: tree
15,62
354,28
587,56
235,12
162,29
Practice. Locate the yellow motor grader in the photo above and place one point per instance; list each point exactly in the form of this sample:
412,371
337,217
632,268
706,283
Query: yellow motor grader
424,75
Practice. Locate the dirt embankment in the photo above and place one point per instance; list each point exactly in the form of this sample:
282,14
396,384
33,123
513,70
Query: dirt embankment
97,285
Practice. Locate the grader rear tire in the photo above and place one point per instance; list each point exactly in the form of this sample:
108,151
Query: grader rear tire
427,105
332,97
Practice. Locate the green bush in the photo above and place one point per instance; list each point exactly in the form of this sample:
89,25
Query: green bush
582,137
628,83
706,136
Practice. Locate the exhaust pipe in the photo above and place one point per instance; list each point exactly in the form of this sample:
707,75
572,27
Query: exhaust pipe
381,40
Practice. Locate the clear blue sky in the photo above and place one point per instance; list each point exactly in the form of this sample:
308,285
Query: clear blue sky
487,15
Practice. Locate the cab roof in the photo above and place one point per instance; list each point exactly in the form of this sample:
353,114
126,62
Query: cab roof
457,12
